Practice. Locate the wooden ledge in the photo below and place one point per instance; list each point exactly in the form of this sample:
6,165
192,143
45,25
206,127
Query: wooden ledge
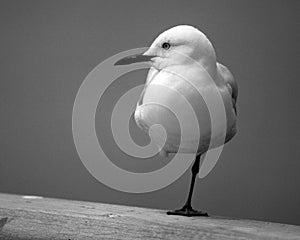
45,218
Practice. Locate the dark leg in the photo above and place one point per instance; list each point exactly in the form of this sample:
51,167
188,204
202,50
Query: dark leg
187,209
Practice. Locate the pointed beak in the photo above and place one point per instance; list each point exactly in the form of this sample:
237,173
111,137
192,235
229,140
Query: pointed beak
134,59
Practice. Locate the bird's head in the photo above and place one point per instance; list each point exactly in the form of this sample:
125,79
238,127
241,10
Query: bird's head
176,46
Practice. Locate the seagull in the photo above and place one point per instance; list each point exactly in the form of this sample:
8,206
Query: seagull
175,54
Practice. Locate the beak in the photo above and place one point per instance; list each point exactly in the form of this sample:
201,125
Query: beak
134,59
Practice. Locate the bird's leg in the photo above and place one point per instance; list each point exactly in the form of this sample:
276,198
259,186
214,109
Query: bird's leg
187,209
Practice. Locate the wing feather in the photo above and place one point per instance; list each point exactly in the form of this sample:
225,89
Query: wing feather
230,83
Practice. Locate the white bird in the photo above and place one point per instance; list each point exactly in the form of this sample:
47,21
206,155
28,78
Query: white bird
183,62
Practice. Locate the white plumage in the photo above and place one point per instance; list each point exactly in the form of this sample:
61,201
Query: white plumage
191,57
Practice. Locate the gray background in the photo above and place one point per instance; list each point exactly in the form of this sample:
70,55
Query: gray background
48,47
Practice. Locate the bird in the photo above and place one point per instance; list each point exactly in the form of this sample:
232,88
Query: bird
174,55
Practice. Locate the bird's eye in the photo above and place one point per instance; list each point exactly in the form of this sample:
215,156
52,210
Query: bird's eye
166,45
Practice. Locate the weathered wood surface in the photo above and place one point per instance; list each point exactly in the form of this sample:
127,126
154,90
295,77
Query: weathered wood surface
45,218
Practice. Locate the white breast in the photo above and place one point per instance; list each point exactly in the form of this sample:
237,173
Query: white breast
171,94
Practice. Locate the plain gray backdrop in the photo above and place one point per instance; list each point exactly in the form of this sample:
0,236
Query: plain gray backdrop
48,47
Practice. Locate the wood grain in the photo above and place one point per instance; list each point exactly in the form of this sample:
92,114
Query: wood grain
45,218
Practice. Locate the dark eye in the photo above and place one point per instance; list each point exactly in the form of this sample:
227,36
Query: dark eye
166,45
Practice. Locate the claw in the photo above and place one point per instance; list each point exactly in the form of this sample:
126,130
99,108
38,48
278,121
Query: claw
187,211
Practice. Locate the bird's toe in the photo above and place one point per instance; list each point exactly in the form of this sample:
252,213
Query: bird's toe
187,211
